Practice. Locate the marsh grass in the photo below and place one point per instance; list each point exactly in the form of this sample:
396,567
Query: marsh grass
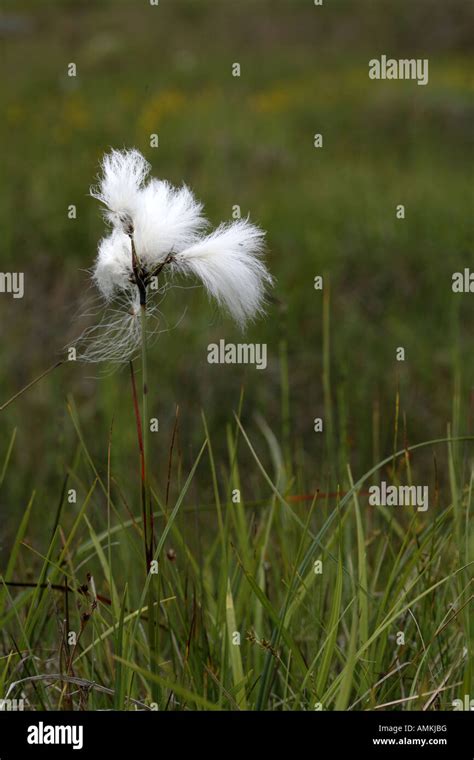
308,640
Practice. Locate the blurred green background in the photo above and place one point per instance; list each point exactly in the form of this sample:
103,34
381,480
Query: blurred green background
246,141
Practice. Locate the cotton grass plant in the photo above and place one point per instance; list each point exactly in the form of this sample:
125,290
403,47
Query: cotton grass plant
309,640
159,230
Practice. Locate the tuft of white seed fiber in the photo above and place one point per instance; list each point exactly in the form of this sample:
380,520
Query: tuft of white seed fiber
113,267
123,177
168,219
167,230
228,261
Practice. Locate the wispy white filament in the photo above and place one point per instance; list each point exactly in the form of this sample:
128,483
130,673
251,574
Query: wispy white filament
116,337
168,229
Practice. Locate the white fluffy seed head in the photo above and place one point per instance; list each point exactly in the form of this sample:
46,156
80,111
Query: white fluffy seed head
168,219
166,223
228,262
113,266
123,177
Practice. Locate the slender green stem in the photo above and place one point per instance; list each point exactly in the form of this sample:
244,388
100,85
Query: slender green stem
147,508
145,434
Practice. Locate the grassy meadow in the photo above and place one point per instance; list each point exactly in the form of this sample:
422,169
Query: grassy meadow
300,595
